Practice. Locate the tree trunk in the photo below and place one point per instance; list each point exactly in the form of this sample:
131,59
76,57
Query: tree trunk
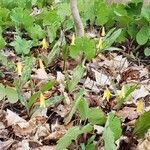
76,17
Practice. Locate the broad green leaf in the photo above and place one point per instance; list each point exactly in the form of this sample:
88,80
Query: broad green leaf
21,17
78,97
52,21
2,42
66,140
96,116
76,77
12,94
109,40
142,125
27,69
142,36
53,100
112,132
56,48
72,134
33,99
36,32
2,91
115,125
147,51
109,140
102,12
21,46
47,86
146,13
85,45
83,109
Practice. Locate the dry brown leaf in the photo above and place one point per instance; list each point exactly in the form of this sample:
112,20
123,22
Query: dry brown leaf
13,119
127,112
45,148
101,78
140,93
40,74
6,144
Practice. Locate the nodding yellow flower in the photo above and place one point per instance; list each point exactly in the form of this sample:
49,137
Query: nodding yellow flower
41,65
42,101
73,40
100,44
103,32
19,69
140,106
122,92
107,94
44,44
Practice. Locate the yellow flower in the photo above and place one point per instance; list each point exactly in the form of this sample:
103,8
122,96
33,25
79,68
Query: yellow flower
42,101
103,32
41,64
122,92
19,69
44,44
100,44
140,106
73,40
107,94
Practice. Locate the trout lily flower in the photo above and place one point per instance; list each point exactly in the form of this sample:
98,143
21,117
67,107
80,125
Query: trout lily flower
122,92
41,65
103,32
100,44
42,101
19,69
73,40
44,44
107,94
140,106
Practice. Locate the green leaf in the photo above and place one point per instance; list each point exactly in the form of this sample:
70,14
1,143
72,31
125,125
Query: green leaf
21,17
83,108
27,69
2,91
102,12
142,125
21,46
85,45
47,86
78,97
111,38
66,140
36,32
146,13
76,77
141,36
147,51
96,116
52,21
12,94
53,100
72,134
33,99
115,125
109,140
112,132
2,42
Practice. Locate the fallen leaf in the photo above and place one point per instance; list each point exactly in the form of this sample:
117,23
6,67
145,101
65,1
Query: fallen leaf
6,144
101,78
140,93
40,74
127,112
